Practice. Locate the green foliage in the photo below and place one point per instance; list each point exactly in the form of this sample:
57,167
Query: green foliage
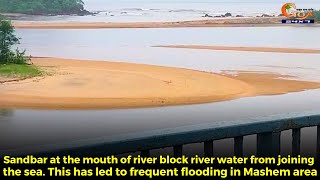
7,40
316,14
19,70
43,7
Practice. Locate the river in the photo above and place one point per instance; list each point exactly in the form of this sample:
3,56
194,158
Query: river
20,128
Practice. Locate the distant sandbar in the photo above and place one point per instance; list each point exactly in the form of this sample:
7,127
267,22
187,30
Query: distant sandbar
238,48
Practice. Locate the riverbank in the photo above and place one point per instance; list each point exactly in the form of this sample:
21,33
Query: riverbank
77,84
214,22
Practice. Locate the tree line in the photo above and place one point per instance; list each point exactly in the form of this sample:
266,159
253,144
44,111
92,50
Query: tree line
43,7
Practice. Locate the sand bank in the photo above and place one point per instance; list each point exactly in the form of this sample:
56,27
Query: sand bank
215,22
254,49
76,84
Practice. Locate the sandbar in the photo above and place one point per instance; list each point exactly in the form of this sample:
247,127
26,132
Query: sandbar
81,84
252,49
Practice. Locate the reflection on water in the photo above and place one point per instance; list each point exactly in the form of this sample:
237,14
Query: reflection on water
4,113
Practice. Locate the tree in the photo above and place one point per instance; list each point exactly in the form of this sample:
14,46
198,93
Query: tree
43,7
7,40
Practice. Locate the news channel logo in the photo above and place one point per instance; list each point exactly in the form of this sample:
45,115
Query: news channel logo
297,16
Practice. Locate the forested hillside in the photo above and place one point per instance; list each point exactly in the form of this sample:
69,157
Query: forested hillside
43,7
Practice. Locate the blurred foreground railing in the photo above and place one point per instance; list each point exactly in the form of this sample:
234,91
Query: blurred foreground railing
268,132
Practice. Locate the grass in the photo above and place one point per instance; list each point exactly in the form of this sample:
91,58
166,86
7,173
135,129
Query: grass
19,71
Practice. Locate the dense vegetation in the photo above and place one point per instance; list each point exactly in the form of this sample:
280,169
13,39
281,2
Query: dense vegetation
43,7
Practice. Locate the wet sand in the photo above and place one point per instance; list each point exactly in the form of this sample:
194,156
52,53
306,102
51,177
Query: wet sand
212,22
78,84
254,49
6,79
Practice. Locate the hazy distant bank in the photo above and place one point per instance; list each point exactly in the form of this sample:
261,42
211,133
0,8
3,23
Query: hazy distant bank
230,22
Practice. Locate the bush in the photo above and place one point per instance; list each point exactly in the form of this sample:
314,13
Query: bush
7,40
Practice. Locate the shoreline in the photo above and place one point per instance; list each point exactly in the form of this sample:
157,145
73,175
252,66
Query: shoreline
218,22
80,84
